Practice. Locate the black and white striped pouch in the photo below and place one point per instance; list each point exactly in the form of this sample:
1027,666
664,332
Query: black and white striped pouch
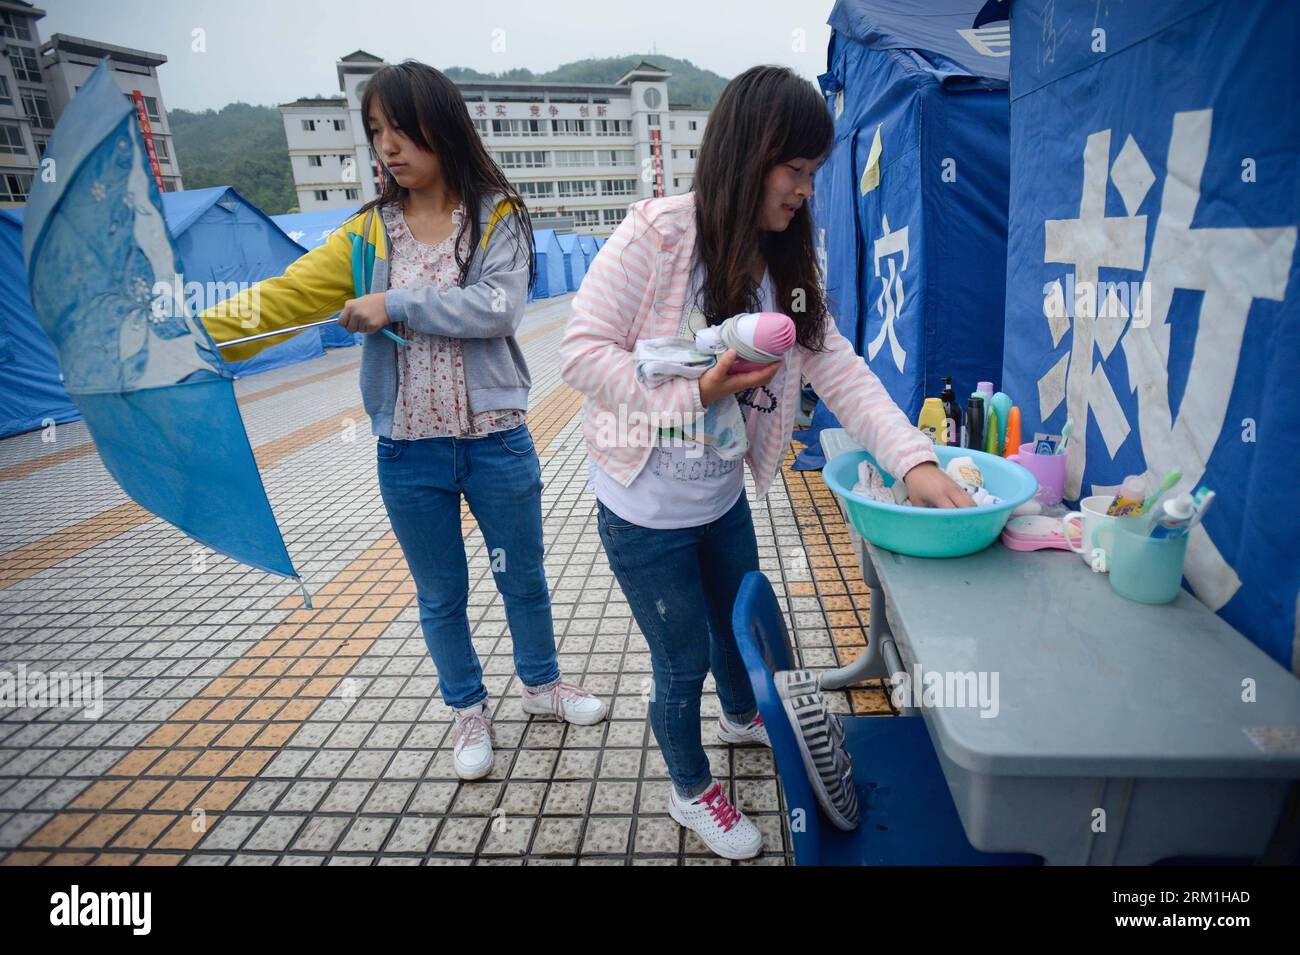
821,744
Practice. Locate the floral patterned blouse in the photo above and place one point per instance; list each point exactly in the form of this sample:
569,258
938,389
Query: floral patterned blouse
432,399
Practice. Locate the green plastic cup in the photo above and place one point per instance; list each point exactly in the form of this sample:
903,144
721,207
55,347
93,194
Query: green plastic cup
1143,568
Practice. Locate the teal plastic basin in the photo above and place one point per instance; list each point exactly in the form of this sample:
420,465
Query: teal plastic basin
932,531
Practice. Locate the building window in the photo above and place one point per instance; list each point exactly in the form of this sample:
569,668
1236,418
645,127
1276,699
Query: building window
309,125
652,120
574,157
692,125
343,159
313,160
694,153
676,182
570,127
11,139
589,217
615,157
481,126
160,147
150,107
672,124
14,187
16,28
517,127
40,142
618,187
320,195
169,185
577,188
535,190
25,67
340,125
526,159
613,127
613,216
353,193
6,97
36,106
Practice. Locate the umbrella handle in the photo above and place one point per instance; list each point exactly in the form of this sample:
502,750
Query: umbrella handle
393,336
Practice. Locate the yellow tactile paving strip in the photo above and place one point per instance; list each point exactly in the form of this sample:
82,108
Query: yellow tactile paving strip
157,802
837,579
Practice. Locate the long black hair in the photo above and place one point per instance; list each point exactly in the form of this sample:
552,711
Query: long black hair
765,116
429,109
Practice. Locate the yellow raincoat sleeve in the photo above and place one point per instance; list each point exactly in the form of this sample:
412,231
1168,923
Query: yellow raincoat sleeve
315,286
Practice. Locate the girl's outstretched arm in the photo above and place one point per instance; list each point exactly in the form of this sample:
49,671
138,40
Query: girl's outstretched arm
852,391
595,353
313,287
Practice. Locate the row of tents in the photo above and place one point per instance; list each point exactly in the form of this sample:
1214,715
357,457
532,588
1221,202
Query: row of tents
221,238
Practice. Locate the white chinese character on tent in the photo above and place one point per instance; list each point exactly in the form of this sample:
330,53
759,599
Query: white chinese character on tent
890,302
1231,267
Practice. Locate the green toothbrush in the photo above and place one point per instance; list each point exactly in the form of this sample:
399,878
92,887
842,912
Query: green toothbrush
1172,478
1065,436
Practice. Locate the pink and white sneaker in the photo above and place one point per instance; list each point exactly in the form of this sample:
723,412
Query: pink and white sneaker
753,734
724,828
472,739
567,701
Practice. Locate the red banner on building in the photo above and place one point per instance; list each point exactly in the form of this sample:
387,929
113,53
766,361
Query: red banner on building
657,157
142,114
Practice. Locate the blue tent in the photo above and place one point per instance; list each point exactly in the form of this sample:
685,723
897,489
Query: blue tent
1153,294
550,264
30,389
310,230
224,238
910,208
589,250
575,263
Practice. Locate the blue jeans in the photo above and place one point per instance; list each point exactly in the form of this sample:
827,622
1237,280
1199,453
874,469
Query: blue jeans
421,482
681,585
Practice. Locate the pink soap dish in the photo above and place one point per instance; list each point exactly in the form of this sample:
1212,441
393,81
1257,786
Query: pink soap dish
1035,532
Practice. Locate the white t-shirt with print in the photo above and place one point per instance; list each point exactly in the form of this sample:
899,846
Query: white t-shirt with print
683,484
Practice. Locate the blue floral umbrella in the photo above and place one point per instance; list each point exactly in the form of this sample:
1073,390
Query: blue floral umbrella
144,372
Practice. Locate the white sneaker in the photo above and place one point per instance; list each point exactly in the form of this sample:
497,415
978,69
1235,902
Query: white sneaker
753,734
568,702
472,739
724,828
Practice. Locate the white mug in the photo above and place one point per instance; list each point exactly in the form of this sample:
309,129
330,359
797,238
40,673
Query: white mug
1096,536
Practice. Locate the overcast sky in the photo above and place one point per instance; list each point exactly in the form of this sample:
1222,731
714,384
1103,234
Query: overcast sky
272,51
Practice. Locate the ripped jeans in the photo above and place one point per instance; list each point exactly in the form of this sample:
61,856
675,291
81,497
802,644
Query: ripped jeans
681,585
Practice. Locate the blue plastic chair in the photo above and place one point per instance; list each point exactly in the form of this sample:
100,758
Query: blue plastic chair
907,814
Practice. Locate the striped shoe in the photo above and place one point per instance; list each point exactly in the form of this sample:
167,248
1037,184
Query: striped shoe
821,744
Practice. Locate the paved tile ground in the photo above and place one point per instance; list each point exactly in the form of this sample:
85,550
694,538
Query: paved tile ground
240,728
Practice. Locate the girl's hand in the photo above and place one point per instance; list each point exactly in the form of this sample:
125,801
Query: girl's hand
716,383
364,314
928,486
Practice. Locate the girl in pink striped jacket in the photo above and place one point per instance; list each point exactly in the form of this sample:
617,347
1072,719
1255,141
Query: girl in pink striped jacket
671,512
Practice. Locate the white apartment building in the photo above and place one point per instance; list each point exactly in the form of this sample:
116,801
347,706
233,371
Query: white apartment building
38,80
578,153
68,61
